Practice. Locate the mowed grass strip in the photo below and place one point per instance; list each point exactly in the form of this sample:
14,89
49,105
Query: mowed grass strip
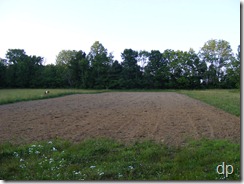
227,100
17,95
105,159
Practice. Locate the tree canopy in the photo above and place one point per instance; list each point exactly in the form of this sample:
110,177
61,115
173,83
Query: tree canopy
214,66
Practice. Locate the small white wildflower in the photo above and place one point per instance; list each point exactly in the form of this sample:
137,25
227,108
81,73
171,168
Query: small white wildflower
22,166
50,142
40,146
54,149
37,152
15,154
61,161
30,149
222,178
21,160
76,172
101,173
93,166
50,160
33,146
131,167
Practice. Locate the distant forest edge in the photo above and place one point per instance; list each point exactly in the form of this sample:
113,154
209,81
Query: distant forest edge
214,66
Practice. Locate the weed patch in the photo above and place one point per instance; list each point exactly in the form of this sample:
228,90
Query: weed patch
104,159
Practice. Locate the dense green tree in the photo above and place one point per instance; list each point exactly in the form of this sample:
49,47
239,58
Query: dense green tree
23,70
168,58
63,60
15,55
233,71
155,70
49,76
75,67
195,69
79,69
3,68
131,74
35,67
178,70
217,54
115,75
64,57
100,62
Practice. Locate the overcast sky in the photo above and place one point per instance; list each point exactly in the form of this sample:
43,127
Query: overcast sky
45,27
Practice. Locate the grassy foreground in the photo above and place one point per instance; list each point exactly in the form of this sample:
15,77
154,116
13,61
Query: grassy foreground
103,159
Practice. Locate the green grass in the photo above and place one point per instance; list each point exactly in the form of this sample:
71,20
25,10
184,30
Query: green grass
227,100
17,95
104,159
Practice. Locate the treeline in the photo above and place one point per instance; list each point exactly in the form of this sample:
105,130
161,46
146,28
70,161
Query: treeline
214,66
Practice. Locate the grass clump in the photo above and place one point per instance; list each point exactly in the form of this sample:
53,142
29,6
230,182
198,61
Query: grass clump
105,159
227,100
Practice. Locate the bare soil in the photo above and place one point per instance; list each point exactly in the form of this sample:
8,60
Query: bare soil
166,117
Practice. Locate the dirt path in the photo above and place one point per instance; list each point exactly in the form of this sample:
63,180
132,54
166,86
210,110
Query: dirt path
129,116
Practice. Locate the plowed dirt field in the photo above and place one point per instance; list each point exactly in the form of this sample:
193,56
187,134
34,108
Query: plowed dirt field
166,117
